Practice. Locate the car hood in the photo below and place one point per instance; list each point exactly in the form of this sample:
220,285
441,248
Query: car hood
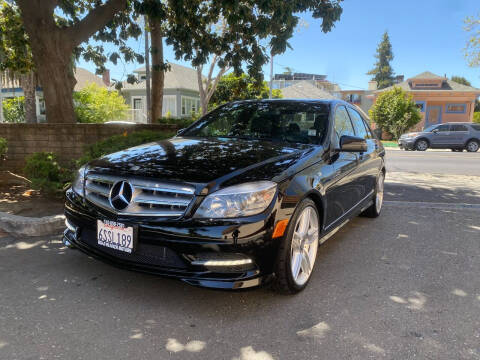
212,162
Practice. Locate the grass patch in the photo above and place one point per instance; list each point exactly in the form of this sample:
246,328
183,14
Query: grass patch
389,143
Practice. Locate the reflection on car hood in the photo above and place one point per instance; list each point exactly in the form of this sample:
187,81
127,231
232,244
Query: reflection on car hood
204,160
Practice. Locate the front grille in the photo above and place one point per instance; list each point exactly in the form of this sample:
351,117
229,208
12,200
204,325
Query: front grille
149,198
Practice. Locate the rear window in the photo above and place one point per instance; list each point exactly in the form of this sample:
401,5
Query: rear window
476,127
458,128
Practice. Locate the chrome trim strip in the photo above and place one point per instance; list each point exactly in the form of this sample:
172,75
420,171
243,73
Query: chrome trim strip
185,191
211,262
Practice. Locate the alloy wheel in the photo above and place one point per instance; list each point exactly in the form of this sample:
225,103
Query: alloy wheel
379,197
472,146
421,145
304,246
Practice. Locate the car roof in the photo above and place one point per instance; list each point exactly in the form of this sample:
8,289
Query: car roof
313,101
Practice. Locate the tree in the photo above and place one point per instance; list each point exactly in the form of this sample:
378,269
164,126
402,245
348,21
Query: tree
383,72
472,50
96,104
239,35
461,80
232,87
56,29
395,111
14,110
16,57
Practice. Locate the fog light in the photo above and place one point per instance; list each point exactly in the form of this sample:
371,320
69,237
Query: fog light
223,262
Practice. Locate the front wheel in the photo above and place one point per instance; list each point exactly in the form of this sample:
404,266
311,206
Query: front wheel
421,145
472,146
298,250
374,210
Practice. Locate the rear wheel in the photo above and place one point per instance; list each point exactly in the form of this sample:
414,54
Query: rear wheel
421,145
375,209
472,146
298,250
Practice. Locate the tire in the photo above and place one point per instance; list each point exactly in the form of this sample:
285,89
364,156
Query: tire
472,146
421,145
291,271
376,208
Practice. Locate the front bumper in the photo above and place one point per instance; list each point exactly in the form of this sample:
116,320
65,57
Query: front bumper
406,143
178,249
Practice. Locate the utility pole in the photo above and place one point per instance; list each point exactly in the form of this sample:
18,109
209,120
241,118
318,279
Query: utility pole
147,69
271,74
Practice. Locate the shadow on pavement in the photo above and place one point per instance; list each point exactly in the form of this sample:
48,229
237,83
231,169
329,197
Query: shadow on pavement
401,286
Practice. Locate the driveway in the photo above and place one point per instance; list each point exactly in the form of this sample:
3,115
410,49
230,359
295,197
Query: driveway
403,286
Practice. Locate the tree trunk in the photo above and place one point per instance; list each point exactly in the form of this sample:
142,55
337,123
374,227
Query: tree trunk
158,72
28,84
52,49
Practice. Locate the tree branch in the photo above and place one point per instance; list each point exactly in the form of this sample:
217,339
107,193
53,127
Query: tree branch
95,20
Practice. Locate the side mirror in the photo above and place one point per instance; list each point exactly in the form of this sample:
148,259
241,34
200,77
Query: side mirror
353,144
434,131
180,132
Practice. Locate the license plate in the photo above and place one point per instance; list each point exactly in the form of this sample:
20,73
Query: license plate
115,235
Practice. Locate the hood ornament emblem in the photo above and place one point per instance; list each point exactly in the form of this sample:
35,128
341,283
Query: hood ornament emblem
121,195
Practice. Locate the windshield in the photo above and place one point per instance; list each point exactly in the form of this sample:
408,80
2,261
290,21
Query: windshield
430,128
299,122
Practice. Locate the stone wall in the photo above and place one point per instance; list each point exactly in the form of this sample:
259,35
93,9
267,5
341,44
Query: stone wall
68,141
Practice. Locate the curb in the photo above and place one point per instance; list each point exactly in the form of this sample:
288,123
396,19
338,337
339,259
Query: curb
18,226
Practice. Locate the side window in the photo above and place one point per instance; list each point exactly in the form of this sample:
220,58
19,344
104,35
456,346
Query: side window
443,128
358,124
458,128
343,125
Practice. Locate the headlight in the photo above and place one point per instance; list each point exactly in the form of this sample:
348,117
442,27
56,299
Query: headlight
237,201
411,135
78,183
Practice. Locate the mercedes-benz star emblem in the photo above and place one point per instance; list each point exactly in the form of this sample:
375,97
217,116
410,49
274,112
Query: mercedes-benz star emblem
121,195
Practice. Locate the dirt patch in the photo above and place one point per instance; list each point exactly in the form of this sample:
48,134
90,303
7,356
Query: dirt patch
23,201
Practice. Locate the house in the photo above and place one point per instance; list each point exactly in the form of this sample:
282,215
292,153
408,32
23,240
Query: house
439,99
181,94
84,77
305,90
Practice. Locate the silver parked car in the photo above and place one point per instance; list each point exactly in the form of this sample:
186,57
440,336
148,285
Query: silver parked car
455,136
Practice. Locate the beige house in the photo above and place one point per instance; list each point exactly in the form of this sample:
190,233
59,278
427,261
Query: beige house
439,99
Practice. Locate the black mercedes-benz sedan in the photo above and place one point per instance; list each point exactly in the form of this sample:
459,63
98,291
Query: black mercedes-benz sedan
243,196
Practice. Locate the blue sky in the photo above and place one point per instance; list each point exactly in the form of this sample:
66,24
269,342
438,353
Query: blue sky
425,35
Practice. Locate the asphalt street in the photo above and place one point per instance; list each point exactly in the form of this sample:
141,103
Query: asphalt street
402,286
434,161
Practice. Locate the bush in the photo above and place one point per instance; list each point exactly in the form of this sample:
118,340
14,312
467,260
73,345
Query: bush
476,117
14,110
121,142
45,173
3,148
95,104
395,112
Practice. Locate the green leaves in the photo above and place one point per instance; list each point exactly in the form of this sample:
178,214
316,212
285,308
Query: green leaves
472,49
395,111
383,72
95,104
243,87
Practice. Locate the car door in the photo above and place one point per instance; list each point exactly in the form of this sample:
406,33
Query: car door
458,134
345,191
440,136
368,161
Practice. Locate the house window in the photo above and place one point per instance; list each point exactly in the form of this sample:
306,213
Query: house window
456,108
189,105
420,105
169,106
